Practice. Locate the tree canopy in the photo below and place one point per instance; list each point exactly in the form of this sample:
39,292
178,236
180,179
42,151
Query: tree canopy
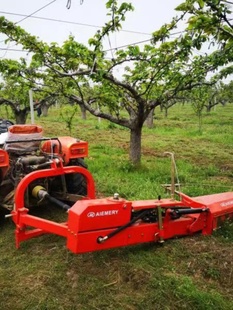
210,22
153,74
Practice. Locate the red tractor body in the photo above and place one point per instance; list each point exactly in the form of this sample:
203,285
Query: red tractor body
70,148
25,150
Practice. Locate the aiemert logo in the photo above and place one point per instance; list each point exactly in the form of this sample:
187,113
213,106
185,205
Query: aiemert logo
102,213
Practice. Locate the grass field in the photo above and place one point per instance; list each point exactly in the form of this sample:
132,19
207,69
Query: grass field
188,273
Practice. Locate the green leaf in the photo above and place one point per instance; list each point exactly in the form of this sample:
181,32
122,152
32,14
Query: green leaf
201,3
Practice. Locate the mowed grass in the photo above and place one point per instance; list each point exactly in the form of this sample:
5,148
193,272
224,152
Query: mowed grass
189,273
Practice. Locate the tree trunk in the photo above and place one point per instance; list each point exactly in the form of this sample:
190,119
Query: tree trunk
83,111
150,119
20,117
44,109
135,145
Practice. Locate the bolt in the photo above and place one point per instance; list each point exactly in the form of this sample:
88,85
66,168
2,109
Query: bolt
116,196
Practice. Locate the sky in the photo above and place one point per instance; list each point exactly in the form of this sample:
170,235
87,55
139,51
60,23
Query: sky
82,20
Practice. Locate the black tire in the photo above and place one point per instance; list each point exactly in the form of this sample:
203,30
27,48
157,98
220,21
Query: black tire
3,212
76,183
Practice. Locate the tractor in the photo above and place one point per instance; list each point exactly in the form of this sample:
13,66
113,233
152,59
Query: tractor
24,150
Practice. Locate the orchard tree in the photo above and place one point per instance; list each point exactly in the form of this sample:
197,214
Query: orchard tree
153,75
199,97
211,23
167,105
14,89
67,114
215,96
209,17
44,100
226,92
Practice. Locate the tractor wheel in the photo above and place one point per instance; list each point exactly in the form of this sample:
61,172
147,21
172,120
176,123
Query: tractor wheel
2,217
76,182
3,212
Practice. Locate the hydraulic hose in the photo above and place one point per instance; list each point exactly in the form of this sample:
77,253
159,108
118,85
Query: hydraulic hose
179,212
101,239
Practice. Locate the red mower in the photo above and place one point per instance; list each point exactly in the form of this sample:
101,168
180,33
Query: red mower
98,224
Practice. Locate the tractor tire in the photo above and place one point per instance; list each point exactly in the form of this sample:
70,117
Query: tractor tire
76,183
3,212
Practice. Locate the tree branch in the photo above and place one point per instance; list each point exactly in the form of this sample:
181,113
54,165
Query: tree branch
95,112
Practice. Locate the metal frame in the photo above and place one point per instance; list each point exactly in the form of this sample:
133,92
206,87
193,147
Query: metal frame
98,224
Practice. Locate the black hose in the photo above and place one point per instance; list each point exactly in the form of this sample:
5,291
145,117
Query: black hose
119,229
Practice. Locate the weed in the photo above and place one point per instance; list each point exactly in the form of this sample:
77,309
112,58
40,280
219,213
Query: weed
226,231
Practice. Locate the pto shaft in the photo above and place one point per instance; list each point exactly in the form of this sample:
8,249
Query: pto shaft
40,192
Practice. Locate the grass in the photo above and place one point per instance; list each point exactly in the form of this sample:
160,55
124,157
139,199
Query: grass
189,273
